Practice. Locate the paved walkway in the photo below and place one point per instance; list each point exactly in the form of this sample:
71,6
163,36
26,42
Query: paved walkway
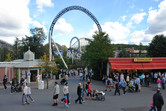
43,99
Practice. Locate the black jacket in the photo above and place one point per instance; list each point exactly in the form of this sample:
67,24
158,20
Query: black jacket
79,91
4,80
158,100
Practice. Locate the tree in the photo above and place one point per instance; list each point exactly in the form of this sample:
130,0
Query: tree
97,53
140,49
64,51
16,47
35,42
47,66
8,58
157,47
3,54
124,53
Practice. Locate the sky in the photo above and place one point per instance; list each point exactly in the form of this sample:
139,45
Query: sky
125,21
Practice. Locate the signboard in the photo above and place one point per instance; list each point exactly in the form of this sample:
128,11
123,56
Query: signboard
23,74
142,59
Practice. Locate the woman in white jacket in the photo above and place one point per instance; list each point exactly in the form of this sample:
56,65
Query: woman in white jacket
24,95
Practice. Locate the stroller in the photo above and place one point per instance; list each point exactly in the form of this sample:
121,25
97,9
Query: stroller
16,88
99,95
130,88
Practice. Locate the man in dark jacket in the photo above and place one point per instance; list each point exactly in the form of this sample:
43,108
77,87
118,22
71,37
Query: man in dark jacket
5,81
158,101
79,94
117,88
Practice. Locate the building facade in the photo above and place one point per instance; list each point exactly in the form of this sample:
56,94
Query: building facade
27,67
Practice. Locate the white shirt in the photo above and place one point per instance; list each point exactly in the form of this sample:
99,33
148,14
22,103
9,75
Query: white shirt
143,76
81,74
65,89
155,75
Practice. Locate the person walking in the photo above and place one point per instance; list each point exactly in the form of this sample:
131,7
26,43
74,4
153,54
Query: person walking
158,101
147,80
137,84
158,83
66,78
152,108
117,88
79,89
66,93
5,81
155,77
89,88
163,82
24,95
81,75
56,91
127,79
123,84
108,84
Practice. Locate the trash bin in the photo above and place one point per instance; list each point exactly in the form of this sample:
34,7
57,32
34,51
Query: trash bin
41,85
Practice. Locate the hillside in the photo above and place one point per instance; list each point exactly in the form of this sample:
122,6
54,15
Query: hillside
4,44
122,46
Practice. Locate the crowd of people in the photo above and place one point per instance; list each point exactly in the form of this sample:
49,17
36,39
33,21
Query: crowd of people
115,81
134,82
84,74
81,90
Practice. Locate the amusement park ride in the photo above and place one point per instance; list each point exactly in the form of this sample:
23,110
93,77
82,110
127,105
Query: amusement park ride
75,52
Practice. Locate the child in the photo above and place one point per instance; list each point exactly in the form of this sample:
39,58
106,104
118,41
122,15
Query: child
82,95
65,101
159,83
108,84
152,108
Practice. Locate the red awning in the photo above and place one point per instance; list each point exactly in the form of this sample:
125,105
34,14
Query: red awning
157,63
128,63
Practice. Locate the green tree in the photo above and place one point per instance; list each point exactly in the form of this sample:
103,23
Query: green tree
124,53
8,59
3,54
64,51
140,49
97,54
46,66
16,49
35,42
157,47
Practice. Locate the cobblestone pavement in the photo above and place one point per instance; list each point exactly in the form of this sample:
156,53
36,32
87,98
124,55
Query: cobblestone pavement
43,99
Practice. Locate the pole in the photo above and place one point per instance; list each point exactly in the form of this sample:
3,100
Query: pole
60,55
50,50
47,81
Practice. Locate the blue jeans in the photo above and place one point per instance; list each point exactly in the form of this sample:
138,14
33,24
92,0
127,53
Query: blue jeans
24,99
152,109
163,85
81,78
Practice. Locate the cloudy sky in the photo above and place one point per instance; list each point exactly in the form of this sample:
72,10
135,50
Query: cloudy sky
126,21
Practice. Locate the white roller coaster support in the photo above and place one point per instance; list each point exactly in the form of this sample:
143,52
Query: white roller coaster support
50,49
60,54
